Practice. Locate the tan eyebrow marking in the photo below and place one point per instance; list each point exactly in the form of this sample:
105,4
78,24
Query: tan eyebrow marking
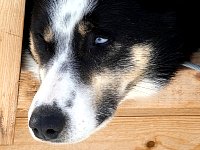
84,27
48,34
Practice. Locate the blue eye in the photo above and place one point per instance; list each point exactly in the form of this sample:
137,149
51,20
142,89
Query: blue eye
100,40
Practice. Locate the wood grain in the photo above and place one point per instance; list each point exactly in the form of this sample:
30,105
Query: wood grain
11,29
12,16
126,133
169,120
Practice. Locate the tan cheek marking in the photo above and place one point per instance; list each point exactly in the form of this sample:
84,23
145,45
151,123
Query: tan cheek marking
33,50
140,58
102,81
141,55
48,34
120,80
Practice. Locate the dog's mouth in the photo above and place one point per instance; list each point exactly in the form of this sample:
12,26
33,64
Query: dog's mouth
65,110
73,115
50,124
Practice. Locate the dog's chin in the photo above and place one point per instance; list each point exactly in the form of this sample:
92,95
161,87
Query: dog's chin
72,140
63,140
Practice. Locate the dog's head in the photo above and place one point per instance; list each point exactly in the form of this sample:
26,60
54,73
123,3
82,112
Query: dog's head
93,54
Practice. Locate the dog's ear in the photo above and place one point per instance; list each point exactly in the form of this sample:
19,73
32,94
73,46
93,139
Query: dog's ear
28,63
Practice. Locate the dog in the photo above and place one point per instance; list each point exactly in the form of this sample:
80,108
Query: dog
93,54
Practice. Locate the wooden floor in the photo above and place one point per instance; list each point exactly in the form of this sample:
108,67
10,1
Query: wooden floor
169,120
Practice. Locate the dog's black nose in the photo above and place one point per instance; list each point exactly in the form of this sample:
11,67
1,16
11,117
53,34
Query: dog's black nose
47,122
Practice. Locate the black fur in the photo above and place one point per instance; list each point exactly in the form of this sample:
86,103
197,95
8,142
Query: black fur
172,27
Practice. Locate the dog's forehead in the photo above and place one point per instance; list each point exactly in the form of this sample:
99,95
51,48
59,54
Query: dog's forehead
65,14
56,21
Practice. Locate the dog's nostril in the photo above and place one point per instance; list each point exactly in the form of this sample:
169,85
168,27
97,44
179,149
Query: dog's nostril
51,131
35,131
51,134
46,135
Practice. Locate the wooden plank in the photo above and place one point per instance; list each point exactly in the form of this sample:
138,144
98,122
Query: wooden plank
126,133
27,88
11,29
180,97
12,16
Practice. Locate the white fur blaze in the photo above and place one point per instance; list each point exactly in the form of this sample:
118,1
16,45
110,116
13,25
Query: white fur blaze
57,87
